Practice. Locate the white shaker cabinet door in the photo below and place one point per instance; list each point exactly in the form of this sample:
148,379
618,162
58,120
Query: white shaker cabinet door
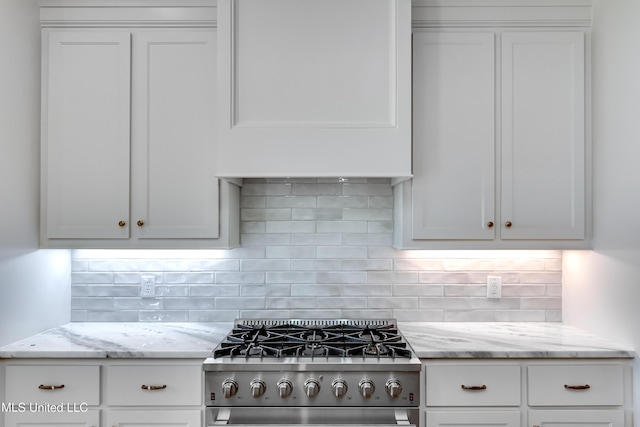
543,135
155,418
454,136
71,416
498,418
174,187
577,418
85,150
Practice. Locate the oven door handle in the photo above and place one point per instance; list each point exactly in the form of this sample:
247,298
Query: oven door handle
223,416
402,418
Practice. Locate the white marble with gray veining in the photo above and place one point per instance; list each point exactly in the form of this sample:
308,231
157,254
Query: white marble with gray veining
121,340
507,340
429,340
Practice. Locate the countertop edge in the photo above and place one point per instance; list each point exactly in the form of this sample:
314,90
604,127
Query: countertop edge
429,340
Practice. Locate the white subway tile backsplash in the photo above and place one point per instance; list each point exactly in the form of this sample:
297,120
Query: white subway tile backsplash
342,252
343,201
316,239
341,277
342,226
290,202
291,227
317,248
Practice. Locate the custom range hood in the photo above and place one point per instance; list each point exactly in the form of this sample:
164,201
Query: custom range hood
314,88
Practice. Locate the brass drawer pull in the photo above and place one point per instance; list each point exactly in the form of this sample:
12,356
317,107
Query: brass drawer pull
154,387
50,387
473,387
577,387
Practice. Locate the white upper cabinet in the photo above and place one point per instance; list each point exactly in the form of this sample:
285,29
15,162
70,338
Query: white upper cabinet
129,132
454,133
543,135
499,141
86,134
314,88
174,183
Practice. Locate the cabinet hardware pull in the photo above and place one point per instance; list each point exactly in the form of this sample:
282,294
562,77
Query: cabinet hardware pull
50,387
490,224
577,387
473,387
140,223
508,224
154,387
122,223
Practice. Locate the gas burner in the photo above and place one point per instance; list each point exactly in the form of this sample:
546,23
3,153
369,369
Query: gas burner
343,338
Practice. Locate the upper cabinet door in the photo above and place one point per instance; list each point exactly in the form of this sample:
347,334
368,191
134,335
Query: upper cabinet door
174,187
314,88
543,135
85,116
454,149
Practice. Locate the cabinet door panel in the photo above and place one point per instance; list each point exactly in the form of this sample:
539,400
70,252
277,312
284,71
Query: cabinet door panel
577,418
86,100
34,418
454,136
543,135
473,418
175,190
146,418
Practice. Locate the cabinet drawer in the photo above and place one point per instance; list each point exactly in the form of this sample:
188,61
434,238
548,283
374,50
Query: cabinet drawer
68,384
583,385
473,385
156,385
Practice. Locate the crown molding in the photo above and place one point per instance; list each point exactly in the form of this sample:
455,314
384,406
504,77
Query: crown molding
134,13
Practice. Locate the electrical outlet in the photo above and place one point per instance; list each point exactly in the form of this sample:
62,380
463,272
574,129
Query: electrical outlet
148,286
494,287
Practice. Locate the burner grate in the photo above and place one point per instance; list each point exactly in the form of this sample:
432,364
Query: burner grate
315,338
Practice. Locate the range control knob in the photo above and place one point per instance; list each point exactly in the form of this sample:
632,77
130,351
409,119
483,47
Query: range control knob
366,388
257,388
339,387
311,387
284,388
229,388
394,388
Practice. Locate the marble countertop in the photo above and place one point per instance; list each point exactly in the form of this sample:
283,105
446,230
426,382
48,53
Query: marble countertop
480,340
121,340
429,340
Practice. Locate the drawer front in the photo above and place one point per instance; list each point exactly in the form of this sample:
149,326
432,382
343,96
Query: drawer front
473,385
53,384
583,385
156,385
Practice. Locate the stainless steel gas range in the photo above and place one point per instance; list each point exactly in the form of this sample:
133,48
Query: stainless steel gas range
322,372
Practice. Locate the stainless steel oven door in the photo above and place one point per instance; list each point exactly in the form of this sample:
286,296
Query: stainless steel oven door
318,417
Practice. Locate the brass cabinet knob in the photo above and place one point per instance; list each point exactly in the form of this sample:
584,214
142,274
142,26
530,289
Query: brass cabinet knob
140,223
490,224
122,223
508,224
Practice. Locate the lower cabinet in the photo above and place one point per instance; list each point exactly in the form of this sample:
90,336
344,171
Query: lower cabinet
154,418
34,417
576,418
528,392
102,392
473,418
